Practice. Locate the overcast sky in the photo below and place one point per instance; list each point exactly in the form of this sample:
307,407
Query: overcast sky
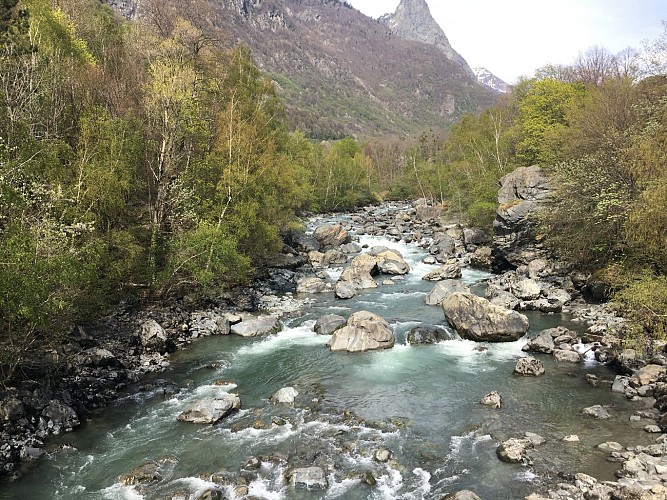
512,38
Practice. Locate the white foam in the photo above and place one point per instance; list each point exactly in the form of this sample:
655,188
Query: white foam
472,276
196,485
118,491
388,485
424,477
338,489
301,335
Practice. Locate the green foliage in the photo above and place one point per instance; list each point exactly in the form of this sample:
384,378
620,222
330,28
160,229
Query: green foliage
543,106
643,302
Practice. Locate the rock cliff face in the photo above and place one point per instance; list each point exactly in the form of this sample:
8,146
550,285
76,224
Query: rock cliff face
343,73
413,21
520,195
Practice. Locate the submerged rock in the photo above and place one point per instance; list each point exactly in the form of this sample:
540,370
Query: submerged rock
450,270
147,473
597,411
210,410
492,399
475,318
364,331
331,236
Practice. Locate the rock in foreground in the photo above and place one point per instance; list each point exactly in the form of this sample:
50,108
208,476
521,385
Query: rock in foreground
475,318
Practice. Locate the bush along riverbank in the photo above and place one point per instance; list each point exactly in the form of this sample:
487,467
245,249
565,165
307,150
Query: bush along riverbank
138,340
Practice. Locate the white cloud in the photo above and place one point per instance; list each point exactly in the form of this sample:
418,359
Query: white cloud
514,37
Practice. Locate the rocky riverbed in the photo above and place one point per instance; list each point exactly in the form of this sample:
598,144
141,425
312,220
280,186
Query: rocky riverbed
130,350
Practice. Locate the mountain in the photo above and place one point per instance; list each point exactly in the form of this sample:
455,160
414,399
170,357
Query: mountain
341,72
485,77
413,21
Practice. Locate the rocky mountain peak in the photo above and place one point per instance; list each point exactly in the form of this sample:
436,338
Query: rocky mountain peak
413,21
485,77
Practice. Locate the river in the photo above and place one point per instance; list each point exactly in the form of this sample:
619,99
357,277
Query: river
421,402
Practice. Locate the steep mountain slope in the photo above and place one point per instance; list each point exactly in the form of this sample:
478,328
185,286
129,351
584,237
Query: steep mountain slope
341,72
413,21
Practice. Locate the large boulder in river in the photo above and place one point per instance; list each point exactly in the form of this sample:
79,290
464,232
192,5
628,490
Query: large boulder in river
331,236
364,331
519,198
256,327
357,276
311,284
529,367
210,410
543,343
390,261
444,288
450,270
475,318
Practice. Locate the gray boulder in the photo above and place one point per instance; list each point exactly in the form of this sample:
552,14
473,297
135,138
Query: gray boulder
328,324
351,248
597,411
152,336
364,331
529,367
514,450
360,272
477,319
286,395
426,335
566,356
450,270
519,198
304,242
506,300
256,327
210,410
331,236
390,262
12,409
311,284
543,343
474,237
345,290
60,417
442,289
526,289
492,399
309,478
482,258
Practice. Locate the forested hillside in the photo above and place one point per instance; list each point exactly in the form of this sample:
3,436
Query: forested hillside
143,160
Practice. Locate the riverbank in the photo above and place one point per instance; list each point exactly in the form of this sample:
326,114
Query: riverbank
140,342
